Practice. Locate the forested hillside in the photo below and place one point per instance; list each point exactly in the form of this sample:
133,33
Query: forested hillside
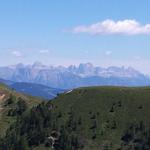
95,118
12,105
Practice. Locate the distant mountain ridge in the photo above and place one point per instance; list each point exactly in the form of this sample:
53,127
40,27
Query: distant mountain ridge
36,90
33,89
74,76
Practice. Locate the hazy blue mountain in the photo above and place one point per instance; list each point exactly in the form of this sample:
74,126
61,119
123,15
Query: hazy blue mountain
74,76
33,89
7,82
36,90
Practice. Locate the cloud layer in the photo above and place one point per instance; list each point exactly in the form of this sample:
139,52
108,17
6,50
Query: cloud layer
17,53
108,53
44,51
110,27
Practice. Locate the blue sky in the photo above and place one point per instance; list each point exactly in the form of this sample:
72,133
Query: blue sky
64,32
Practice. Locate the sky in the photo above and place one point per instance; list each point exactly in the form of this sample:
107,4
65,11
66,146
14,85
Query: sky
65,32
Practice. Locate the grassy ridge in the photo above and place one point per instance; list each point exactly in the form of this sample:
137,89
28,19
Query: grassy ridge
107,105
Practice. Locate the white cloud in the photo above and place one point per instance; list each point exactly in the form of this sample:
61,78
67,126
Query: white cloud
17,53
109,27
137,58
44,51
108,53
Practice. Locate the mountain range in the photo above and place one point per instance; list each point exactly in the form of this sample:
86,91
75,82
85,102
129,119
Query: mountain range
74,76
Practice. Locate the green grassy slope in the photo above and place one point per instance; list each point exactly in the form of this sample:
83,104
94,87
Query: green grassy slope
7,94
106,105
98,116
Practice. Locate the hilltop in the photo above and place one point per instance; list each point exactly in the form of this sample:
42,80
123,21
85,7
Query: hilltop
112,118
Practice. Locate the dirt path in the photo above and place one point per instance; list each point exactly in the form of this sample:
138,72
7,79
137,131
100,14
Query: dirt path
2,96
